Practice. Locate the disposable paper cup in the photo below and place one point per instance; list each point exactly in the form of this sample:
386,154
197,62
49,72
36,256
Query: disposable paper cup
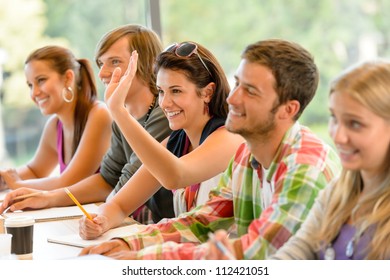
22,230
5,245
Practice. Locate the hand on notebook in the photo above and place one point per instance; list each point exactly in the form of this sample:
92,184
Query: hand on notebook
116,248
123,255
91,229
15,200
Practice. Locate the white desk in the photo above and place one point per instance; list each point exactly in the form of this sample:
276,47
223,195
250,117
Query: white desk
44,250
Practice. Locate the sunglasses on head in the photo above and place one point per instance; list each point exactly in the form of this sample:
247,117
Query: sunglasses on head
186,49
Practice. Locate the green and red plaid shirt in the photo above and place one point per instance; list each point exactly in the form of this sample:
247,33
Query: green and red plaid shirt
303,165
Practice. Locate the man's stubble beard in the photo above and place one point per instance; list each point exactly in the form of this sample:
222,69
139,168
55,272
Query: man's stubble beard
257,133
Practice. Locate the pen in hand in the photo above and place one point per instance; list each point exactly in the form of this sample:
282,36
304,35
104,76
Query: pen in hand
221,247
78,203
26,196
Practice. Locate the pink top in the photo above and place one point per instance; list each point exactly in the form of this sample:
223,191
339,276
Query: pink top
60,147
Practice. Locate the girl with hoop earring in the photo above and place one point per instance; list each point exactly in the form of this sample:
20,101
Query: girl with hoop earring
77,134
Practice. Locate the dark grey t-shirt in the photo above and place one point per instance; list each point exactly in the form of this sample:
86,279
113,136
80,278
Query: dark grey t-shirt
120,162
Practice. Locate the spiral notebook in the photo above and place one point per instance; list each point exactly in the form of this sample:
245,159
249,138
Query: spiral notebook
55,213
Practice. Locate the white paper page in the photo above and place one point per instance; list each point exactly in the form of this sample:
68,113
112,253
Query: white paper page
55,213
77,241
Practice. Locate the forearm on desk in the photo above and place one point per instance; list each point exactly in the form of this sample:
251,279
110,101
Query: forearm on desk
89,190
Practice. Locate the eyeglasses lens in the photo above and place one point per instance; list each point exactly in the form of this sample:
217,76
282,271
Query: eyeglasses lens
170,48
186,49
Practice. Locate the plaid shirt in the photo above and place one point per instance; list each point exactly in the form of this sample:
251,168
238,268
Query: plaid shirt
302,166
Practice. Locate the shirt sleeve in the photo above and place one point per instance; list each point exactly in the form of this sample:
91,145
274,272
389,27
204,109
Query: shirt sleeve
295,194
190,229
301,246
296,183
120,162
114,159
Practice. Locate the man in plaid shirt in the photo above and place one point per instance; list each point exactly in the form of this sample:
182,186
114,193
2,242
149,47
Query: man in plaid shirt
271,183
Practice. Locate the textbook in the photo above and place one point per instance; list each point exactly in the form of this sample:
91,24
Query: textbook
54,214
76,241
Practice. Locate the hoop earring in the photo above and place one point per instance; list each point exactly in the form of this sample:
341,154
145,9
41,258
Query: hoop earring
64,91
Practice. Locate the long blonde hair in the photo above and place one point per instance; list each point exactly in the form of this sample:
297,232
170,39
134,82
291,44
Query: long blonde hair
369,84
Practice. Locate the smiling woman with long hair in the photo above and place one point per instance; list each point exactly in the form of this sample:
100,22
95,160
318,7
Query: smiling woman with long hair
351,219
192,90
77,135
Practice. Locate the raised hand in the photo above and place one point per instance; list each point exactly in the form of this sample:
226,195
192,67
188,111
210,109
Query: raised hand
116,91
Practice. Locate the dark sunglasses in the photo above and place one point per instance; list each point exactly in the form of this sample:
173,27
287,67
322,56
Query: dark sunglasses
186,49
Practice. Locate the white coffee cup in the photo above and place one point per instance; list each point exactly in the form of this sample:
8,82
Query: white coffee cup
22,230
5,245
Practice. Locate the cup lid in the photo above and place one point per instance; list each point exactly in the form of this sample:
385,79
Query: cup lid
20,221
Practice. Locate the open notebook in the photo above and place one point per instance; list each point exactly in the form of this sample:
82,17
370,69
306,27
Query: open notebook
77,241
55,213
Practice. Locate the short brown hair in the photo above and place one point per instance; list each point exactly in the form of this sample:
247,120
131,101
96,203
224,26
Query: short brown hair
144,40
293,67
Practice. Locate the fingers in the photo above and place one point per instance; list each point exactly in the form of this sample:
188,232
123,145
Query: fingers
20,205
118,88
25,198
28,203
213,252
219,247
90,229
130,72
86,251
9,199
128,76
132,67
124,255
116,76
3,184
221,235
10,178
10,175
3,207
106,248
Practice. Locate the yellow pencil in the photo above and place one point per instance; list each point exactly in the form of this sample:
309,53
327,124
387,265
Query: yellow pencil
26,195
78,203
